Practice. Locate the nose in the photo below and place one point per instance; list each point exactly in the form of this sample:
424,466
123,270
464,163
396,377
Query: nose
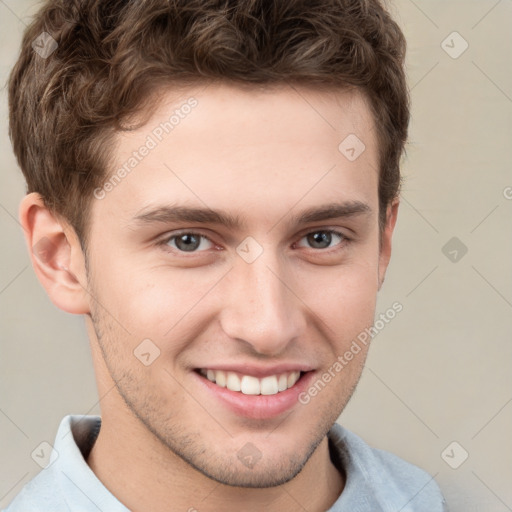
262,308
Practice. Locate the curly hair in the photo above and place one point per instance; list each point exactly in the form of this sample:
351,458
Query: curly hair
111,56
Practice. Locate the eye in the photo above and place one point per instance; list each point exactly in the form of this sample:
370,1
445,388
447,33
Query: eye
186,242
189,241
322,239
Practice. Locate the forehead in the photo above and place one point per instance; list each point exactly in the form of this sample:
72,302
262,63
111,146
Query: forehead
246,149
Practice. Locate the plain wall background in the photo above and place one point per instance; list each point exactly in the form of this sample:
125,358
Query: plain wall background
441,370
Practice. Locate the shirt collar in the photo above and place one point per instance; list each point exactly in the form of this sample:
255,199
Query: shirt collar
80,487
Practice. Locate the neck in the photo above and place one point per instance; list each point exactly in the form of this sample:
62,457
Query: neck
145,475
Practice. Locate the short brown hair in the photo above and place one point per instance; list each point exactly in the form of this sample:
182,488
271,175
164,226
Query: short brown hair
113,54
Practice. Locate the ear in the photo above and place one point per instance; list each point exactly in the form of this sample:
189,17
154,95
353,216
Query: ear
56,255
385,245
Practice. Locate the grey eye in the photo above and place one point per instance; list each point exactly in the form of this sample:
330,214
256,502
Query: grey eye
322,239
186,242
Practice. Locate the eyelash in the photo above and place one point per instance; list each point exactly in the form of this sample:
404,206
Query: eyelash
344,241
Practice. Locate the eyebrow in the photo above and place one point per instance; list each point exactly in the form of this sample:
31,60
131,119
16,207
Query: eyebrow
179,213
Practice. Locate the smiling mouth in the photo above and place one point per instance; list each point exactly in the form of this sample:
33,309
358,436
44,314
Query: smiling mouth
250,385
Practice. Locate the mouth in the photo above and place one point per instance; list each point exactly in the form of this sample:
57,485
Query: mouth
251,385
255,393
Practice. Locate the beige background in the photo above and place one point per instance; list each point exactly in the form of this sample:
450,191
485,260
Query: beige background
441,370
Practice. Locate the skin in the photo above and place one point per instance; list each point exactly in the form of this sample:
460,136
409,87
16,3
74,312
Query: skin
163,439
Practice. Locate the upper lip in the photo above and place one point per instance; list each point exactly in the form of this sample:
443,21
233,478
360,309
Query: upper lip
258,370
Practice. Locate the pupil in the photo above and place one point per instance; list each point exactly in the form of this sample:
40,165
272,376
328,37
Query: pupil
319,238
188,242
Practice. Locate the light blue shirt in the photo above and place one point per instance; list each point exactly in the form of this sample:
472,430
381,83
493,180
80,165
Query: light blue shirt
375,480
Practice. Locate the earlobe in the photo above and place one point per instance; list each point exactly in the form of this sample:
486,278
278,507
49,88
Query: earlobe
385,246
56,255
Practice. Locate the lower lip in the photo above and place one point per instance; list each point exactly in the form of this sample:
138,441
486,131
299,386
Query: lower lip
258,406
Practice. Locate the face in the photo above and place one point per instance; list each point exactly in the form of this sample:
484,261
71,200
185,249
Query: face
231,267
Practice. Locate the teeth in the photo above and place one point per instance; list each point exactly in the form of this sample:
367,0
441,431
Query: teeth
293,377
220,378
250,385
282,383
269,385
233,382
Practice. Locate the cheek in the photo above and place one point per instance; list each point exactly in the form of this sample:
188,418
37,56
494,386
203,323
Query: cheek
344,297
152,302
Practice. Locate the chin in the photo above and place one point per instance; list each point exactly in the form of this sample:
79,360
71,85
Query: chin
248,467
265,476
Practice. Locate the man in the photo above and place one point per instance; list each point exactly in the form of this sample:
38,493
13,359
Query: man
214,185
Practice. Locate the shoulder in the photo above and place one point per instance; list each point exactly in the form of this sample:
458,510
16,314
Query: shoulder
390,480
54,487
39,495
